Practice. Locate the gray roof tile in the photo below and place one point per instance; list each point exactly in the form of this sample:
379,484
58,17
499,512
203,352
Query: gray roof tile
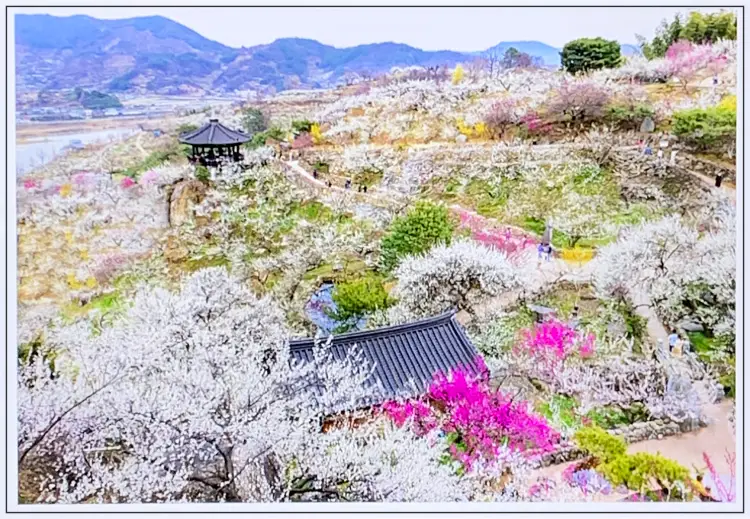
406,357
214,134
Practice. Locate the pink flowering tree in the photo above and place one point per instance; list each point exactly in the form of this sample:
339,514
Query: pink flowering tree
546,347
684,60
304,140
726,491
504,239
478,421
502,115
579,101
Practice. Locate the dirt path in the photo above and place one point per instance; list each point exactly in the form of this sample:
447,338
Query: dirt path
716,440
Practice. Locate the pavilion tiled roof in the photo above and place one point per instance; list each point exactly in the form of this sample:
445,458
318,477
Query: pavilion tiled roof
214,134
406,357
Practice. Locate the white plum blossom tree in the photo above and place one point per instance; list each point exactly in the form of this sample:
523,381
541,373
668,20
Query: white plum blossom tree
192,396
460,275
684,273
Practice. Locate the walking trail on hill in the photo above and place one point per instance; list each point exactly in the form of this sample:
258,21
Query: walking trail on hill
687,449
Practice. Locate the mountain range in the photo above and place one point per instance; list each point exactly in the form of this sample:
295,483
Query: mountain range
157,55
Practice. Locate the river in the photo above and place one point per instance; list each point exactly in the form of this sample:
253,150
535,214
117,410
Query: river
37,151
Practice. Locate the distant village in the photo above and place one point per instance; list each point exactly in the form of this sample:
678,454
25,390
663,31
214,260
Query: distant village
49,107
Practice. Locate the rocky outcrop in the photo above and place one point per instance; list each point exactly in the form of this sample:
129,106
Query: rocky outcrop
185,195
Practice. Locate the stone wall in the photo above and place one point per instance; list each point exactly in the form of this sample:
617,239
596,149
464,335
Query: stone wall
706,167
633,433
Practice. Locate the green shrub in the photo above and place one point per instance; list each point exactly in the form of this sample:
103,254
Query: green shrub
259,139
367,177
639,472
600,444
321,167
253,121
567,410
359,297
586,54
299,127
154,159
707,129
628,117
642,471
425,226
608,417
202,174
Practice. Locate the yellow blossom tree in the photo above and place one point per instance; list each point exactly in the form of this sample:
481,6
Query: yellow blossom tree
458,74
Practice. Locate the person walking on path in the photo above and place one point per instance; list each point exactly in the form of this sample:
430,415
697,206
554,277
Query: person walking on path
329,183
719,178
364,189
672,339
540,250
548,251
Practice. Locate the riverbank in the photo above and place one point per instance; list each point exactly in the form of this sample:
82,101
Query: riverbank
30,132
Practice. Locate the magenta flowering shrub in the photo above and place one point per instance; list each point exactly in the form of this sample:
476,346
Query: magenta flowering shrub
477,420
550,343
534,124
31,184
127,182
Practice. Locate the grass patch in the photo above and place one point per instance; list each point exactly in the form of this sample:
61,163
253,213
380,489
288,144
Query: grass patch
313,211
107,302
193,264
154,159
608,417
349,269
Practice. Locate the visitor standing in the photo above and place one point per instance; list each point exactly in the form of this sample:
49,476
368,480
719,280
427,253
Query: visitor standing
364,189
540,250
719,178
548,251
672,339
673,158
329,183
648,150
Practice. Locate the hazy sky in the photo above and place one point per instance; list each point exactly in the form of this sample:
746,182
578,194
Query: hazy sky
429,28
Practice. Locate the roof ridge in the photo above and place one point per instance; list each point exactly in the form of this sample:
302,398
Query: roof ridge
364,334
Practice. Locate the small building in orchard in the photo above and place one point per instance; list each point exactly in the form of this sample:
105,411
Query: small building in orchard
405,359
213,142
